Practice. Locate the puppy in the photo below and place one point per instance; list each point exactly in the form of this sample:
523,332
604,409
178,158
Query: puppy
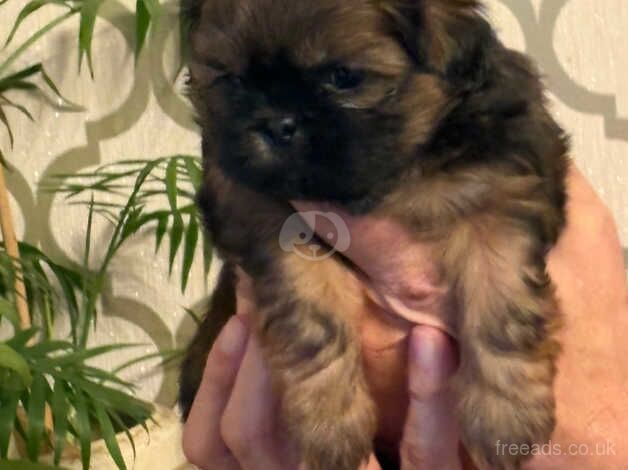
406,109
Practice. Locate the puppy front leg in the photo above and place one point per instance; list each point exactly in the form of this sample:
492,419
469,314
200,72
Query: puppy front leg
508,353
307,312
307,326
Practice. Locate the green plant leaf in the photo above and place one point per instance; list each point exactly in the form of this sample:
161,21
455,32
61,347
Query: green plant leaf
162,227
142,22
5,121
83,427
18,429
146,12
18,81
9,399
176,235
46,347
87,315
138,219
76,372
29,8
133,222
9,311
113,398
10,359
51,84
194,172
29,251
166,355
82,355
171,183
108,434
104,377
154,8
189,250
39,292
35,414
89,10
116,418
67,287
192,314
59,407
18,85
40,288
19,107
36,36
21,74
19,339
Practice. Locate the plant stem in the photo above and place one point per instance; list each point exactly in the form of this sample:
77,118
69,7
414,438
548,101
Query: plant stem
10,243
94,289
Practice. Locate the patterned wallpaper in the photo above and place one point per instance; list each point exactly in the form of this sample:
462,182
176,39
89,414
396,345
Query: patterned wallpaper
136,111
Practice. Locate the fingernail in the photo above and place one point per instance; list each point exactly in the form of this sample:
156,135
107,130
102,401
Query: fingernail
232,337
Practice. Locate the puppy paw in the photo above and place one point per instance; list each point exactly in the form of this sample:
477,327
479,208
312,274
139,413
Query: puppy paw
338,439
501,433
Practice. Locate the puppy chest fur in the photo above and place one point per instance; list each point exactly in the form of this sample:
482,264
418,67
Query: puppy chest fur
411,110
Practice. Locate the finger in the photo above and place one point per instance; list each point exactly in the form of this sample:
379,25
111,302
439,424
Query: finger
248,425
372,464
202,443
430,437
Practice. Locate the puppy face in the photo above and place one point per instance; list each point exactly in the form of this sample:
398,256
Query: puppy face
319,100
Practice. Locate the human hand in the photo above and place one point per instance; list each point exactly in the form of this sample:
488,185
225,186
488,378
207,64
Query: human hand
232,422
592,399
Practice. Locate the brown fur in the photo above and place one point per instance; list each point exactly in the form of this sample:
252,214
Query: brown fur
449,135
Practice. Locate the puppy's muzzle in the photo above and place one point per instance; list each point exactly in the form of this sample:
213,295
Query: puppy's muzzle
282,130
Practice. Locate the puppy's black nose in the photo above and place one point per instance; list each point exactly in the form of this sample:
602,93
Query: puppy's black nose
282,129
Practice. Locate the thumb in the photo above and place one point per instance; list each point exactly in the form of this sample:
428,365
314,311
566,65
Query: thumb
430,438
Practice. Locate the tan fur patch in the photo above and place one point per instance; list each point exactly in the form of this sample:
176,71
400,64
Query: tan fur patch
326,283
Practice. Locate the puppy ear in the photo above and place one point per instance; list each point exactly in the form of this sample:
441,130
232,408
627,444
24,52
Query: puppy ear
449,37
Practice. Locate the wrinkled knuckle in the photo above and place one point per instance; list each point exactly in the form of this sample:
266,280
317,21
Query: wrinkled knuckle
419,455
412,457
421,392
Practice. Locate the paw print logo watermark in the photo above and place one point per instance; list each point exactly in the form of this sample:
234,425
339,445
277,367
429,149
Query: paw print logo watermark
314,235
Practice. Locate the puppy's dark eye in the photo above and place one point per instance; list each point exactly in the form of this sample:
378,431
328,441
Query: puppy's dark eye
343,78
